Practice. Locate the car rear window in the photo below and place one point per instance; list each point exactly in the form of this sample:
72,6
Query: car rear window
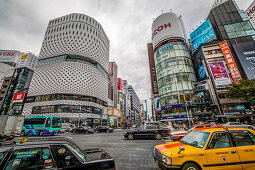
243,138
32,158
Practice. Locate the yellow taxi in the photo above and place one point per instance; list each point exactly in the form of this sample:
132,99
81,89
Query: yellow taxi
209,149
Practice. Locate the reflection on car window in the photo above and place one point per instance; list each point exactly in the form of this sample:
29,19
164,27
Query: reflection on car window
219,140
243,138
34,158
141,128
196,138
64,157
2,155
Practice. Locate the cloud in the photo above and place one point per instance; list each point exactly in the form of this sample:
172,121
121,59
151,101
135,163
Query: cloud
127,24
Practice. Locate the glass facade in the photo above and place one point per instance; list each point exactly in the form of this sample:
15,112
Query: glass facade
63,58
239,29
51,97
175,73
65,109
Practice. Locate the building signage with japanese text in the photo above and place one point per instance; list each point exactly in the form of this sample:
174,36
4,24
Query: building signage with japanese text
230,62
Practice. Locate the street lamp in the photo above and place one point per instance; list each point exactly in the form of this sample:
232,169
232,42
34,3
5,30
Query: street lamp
186,105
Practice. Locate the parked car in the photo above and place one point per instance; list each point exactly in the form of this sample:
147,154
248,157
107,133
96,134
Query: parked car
82,129
238,124
53,153
147,131
209,148
104,129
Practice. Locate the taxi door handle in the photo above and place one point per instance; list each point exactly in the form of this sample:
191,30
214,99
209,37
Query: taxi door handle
233,152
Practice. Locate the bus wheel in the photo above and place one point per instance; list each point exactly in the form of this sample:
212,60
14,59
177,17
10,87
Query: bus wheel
40,133
23,133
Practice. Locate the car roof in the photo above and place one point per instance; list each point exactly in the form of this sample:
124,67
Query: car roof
219,129
36,143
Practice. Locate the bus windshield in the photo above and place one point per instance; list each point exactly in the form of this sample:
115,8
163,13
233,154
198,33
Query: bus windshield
33,121
56,122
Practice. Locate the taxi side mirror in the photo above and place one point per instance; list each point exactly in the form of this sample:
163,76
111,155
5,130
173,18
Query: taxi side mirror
181,149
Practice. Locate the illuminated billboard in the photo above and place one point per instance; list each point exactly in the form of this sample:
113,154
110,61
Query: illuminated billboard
202,34
201,71
220,74
246,55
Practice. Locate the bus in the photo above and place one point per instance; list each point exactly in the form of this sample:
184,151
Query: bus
41,125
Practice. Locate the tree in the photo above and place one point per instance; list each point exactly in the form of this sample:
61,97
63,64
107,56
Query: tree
244,91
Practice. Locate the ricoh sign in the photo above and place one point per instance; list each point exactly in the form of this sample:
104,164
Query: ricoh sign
166,26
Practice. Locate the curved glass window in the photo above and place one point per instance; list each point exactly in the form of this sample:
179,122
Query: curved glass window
62,58
66,109
50,97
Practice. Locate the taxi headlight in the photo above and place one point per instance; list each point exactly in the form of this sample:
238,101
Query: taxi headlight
166,160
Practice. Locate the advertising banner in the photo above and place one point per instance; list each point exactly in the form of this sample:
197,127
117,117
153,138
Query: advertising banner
28,61
230,62
220,74
19,97
201,71
7,55
202,34
246,55
176,118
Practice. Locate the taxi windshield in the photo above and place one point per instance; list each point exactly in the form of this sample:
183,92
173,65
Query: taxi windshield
196,138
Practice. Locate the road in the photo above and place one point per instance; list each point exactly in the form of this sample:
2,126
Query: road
135,154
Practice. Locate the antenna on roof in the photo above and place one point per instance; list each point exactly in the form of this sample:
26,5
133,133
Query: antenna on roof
171,11
162,11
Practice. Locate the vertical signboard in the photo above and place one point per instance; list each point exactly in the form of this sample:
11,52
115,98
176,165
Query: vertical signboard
246,55
202,34
250,12
230,62
201,71
120,84
220,74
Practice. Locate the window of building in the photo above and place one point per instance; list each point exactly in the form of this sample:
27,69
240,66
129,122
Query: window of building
239,29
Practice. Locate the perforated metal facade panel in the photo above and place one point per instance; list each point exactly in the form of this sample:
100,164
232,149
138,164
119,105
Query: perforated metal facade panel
74,34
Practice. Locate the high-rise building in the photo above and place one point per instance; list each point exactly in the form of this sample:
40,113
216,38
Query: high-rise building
135,114
113,93
71,78
175,73
230,24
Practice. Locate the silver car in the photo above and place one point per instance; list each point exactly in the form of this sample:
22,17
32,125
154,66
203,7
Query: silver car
238,124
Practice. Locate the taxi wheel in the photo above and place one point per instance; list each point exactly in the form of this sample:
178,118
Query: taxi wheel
158,136
130,136
190,166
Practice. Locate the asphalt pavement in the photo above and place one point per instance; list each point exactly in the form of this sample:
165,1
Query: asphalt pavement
127,154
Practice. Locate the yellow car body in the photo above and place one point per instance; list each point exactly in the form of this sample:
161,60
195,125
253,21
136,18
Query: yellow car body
236,150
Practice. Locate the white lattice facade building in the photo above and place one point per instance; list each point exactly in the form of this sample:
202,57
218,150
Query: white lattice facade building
72,72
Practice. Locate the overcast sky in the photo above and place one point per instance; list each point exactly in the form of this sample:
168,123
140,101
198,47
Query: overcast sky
127,24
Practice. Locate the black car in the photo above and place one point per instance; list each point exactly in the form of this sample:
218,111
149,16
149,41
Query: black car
82,129
147,131
58,153
104,129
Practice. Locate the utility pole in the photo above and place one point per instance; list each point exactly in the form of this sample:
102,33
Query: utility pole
79,117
